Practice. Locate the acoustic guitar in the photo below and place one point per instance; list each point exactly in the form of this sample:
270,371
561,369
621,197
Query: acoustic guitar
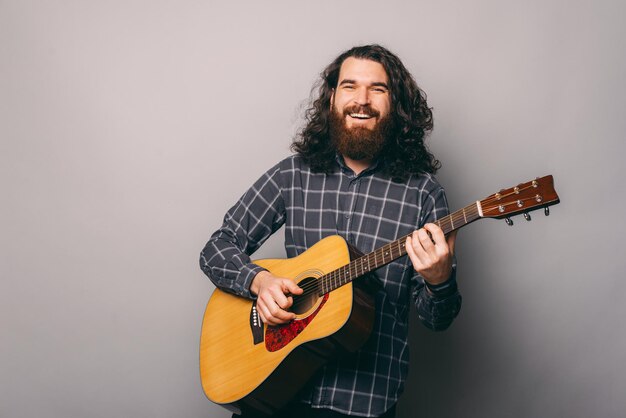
246,365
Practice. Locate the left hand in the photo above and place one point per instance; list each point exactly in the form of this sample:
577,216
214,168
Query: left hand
431,257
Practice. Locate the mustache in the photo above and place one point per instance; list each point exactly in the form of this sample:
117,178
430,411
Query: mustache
367,110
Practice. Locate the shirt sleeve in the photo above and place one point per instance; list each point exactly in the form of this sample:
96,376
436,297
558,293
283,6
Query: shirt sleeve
260,212
438,305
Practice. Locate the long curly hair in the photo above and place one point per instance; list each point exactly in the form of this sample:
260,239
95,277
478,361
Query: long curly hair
404,153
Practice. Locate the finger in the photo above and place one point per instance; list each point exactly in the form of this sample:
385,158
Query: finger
275,315
410,249
441,248
416,244
279,315
282,316
421,244
425,239
279,298
436,233
290,286
264,313
277,303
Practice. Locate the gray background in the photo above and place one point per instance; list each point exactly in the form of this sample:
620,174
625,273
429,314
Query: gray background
129,127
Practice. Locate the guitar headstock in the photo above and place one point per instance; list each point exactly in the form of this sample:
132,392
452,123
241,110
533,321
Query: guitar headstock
523,198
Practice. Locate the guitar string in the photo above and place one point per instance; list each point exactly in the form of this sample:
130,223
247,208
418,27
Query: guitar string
459,216
338,275
341,275
454,218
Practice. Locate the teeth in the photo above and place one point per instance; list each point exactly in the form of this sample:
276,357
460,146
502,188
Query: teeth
360,115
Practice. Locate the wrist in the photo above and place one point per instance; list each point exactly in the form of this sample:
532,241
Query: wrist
442,289
257,281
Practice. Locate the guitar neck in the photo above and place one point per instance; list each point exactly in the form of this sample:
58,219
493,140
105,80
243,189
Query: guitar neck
393,250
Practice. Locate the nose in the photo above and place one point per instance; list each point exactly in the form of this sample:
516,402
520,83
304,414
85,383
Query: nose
362,97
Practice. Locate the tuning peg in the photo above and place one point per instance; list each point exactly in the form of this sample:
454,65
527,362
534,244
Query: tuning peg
527,216
508,221
546,210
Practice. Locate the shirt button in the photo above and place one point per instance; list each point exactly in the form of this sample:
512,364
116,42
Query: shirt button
347,216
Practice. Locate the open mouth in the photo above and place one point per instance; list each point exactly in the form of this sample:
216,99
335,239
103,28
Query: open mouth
362,116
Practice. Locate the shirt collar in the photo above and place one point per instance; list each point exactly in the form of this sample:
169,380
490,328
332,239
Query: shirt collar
342,164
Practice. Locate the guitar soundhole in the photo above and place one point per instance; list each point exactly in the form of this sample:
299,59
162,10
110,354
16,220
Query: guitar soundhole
308,299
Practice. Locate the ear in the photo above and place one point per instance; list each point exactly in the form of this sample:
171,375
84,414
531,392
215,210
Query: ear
332,98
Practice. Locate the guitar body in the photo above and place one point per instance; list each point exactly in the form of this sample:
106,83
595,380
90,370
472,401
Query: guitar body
243,373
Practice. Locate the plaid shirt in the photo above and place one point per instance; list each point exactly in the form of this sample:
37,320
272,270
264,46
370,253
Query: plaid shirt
368,210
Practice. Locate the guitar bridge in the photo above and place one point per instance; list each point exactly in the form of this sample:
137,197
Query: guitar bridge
256,325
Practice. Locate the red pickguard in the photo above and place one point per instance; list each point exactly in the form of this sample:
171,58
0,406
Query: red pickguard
279,336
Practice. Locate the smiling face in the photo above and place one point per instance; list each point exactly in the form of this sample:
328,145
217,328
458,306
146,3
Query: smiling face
362,94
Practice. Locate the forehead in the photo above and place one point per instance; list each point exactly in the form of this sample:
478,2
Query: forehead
362,71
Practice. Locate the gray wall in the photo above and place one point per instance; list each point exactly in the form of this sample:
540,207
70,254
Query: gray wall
129,127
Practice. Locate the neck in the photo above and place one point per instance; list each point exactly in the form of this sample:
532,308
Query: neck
357,165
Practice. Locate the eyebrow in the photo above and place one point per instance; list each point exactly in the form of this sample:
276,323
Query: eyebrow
376,84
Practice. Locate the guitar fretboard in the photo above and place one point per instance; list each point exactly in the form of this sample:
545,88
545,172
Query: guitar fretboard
391,251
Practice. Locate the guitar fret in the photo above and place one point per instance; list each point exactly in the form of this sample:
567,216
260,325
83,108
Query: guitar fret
443,224
325,283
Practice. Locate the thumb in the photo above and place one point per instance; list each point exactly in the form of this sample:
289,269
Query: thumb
291,287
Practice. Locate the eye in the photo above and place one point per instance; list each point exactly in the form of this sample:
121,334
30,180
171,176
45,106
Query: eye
349,87
379,90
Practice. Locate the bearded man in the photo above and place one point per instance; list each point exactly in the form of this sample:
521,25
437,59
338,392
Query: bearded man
361,171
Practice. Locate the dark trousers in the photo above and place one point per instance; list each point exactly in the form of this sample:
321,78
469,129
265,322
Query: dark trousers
300,410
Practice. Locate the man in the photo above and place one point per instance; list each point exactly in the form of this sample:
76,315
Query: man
362,171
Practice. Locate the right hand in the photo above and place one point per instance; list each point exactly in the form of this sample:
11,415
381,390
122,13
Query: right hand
274,297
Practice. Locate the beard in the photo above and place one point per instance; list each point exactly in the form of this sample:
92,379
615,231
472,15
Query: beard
359,143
